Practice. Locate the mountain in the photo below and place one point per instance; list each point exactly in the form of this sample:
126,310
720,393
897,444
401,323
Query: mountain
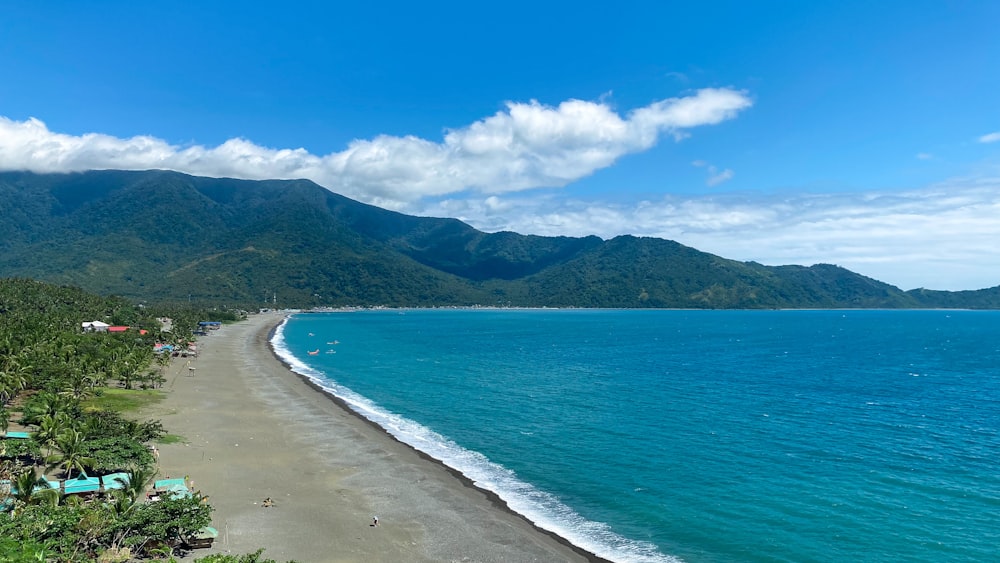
158,235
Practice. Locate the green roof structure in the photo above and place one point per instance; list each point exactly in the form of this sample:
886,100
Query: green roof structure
164,484
115,481
82,485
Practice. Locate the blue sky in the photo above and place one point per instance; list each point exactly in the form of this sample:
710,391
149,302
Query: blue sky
862,134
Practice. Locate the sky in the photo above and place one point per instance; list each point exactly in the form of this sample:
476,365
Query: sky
862,134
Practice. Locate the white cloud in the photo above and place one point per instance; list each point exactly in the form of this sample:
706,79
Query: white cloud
678,76
924,156
942,237
990,137
527,145
715,176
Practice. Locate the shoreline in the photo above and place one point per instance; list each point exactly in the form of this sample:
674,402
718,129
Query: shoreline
254,429
495,499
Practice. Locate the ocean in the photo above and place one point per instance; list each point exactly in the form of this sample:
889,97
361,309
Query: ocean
697,436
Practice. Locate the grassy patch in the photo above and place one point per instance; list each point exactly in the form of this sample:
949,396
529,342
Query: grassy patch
124,400
171,439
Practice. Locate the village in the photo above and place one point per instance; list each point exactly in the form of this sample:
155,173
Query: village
69,446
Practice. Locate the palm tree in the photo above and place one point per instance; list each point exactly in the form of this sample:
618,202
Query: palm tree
49,497
13,378
79,386
51,404
71,453
139,479
23,486
121,505
124,500
49,429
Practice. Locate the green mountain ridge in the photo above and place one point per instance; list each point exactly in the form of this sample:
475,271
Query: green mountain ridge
160,235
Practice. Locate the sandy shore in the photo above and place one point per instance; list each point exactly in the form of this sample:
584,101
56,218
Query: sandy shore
254,429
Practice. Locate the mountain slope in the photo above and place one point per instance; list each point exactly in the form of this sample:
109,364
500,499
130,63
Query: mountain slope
165,235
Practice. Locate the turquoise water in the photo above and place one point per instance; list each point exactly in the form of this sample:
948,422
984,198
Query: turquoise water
696,435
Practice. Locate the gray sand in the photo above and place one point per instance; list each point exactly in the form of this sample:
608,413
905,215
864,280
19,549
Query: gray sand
254,430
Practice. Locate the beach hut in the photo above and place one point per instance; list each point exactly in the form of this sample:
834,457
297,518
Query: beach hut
164,484
176,492
7,489
172,488
82,485
114,481
44,485
204,538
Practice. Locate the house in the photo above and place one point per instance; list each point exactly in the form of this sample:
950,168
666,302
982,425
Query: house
82,485
8,488
117,328
202,539
94,326
114,481
172,488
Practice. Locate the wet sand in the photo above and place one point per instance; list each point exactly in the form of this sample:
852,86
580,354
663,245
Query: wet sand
253,429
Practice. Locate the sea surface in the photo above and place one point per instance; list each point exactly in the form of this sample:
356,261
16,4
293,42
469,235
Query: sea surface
699,436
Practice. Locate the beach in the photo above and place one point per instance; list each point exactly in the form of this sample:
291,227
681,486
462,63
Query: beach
252,429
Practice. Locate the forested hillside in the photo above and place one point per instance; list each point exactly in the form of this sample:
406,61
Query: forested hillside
167,236
74,470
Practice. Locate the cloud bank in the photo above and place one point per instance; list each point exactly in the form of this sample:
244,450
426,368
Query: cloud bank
526,145
942,237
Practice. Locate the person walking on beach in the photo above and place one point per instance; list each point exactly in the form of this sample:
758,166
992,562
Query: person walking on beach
374,521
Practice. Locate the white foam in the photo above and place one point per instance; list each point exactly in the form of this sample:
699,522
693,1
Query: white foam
541,508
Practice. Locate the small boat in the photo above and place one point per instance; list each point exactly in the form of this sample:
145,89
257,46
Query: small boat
314,352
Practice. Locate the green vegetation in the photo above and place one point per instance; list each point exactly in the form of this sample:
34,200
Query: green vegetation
69,389
79,532
122,400
171,439
255,557
163,237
